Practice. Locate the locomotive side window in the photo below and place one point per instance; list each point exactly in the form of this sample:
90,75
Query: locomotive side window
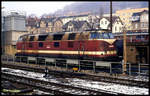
42,37
40,44
70,44
72,36
56,44
31,38
57,37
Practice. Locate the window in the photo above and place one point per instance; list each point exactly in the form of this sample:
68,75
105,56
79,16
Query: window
14,46
57,36
42,37
71,36
111,35
20,39
56,44
105,22
115,28
31,38
93,35
101,22
105,36
96,35
30,45
70,44
120,29
40,44
136,26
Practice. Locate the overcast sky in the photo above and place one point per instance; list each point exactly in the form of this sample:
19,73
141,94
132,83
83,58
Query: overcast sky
37,8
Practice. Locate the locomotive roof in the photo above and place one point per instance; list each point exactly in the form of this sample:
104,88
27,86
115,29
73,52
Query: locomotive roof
62,33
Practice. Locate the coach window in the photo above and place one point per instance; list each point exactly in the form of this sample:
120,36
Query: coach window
56,44
40,44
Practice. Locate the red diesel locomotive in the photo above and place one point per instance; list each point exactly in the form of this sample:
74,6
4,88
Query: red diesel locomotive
75,45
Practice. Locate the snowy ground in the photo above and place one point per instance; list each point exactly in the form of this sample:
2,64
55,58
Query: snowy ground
83,83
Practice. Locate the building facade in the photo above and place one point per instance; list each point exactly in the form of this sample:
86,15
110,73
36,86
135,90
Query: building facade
14,26
57,25
140,21
126,14
76,26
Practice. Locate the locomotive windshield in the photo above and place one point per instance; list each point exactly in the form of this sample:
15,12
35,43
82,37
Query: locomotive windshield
96,35
22,38
111,36
105,35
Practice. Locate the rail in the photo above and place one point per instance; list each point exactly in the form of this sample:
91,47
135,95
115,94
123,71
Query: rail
55,87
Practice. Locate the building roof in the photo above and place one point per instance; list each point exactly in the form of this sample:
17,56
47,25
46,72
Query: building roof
31,22
77,24
139,13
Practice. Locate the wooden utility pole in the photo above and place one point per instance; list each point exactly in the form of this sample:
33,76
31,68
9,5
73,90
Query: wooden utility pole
124,51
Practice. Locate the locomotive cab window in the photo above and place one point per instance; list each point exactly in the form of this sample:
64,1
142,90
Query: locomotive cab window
42,37
72,36
56,44
57,37
40,44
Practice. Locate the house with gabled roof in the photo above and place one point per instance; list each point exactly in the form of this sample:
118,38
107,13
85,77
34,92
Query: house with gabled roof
117,25
57,25
76,26
140,21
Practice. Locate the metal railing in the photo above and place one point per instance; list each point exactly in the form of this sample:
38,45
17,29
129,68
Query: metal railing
139,69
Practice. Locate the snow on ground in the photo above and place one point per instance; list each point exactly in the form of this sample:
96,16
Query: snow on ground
136,78
111,87
84,83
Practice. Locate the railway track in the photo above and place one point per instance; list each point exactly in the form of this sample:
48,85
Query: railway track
143,84
56,88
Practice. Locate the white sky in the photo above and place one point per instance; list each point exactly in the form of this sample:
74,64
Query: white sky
37,8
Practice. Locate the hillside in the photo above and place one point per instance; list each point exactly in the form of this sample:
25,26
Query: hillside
97,7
